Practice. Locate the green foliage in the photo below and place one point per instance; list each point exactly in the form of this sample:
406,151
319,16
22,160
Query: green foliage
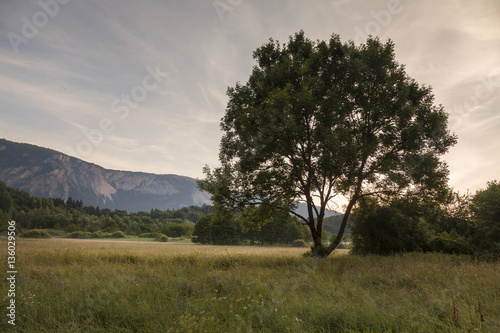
80,235
92,222
163,238
323,118
444,242
118,234
148,235
386,229
281,229
6,201
299,243
332,225
35,233
454,224
485,208
178,230
55,232
203,230
225,231
99,234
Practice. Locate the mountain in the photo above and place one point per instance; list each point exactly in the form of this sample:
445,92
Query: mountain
302,210
49,173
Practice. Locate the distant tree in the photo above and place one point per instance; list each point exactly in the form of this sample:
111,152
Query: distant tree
203,230
35,233
453,227
280,228
217,229
6,204
226,233
178,230
485,207
326,118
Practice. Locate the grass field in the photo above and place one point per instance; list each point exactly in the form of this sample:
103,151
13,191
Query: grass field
126,286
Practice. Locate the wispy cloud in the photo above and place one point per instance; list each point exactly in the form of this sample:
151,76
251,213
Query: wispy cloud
62,83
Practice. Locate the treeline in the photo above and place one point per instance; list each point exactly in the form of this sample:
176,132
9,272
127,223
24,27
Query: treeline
462,224
72,216
280,229
75,220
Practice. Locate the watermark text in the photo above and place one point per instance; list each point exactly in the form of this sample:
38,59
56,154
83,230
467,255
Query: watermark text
11,272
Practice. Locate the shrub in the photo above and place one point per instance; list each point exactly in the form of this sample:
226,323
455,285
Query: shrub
55,232
118,234
450,243
381,228
98,234
178,230
160,237
35,233
147,235
299,243
80,235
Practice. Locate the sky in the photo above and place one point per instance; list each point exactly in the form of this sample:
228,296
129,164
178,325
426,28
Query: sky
141,85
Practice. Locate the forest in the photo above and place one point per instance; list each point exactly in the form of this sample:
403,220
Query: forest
73,219
460,224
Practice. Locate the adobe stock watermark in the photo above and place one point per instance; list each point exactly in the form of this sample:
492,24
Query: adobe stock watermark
380,19
224,6
30,27
121,107
484,90
11,272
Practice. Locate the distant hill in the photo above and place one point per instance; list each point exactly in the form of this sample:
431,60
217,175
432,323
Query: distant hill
302,210
49,173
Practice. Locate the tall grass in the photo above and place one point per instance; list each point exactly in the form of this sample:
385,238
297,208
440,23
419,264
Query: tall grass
98,286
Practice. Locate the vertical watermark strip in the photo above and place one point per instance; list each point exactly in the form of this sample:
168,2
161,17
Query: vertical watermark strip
11,272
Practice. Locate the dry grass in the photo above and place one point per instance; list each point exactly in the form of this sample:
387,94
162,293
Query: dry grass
118,286
158,248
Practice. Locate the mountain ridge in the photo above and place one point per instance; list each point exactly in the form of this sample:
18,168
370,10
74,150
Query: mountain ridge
48,173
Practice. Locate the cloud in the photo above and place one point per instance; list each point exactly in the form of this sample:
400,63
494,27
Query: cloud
63,82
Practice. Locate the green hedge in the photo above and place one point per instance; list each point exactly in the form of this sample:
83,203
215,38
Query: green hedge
35,233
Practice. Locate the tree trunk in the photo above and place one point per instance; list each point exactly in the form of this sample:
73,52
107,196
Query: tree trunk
318,250
338,239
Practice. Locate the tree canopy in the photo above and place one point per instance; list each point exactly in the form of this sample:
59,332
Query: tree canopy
320,119
486,212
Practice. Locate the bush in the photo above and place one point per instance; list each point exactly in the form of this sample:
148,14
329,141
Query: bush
118,234
147,235
80,235
55,232
396,227
178,230
453,243
159,237
35,233
100,234
299,243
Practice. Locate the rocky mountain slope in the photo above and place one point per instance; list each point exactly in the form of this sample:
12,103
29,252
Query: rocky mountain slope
48,173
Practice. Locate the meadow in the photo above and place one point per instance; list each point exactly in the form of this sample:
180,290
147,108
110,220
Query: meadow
66,285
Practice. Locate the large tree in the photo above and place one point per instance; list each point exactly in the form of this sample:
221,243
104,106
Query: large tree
320,119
